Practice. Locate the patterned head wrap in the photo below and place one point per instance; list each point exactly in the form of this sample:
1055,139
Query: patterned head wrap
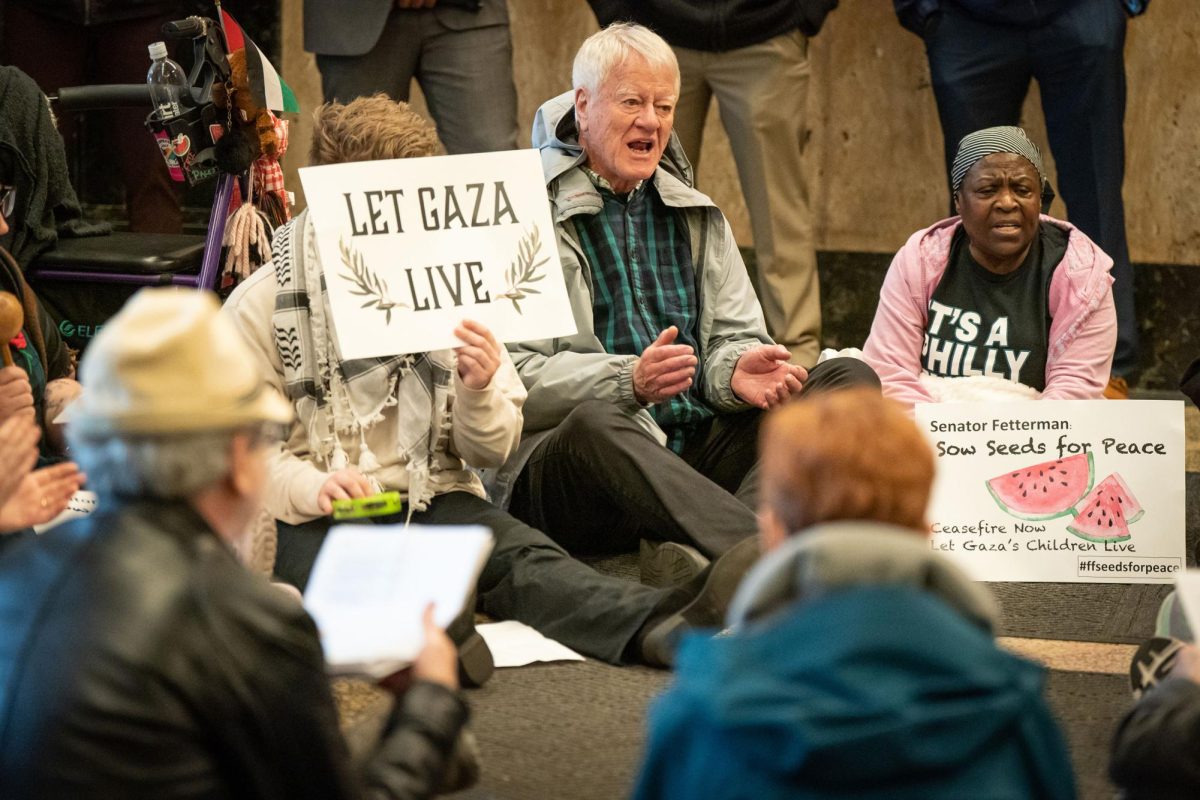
1001,139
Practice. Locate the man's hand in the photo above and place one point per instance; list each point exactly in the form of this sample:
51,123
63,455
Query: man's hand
18,453
344,484
41,496
664,369
16,395
764,378
438,659
479,357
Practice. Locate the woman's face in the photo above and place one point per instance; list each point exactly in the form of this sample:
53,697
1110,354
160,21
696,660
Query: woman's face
999,202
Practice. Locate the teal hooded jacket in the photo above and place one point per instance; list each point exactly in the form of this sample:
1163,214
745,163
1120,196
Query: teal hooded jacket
866,692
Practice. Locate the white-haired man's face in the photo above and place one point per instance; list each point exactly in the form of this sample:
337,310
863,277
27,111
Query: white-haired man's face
624,126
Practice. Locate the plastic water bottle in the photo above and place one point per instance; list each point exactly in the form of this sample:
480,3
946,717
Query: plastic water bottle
167,83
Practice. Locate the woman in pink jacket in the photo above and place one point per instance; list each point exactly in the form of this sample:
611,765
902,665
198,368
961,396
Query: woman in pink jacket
1000,300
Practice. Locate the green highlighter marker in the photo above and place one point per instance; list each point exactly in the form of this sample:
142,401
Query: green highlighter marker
375,505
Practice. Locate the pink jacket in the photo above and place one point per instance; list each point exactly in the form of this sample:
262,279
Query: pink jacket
1083,326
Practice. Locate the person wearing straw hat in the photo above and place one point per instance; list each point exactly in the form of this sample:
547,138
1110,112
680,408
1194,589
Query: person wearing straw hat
137,656
1001,300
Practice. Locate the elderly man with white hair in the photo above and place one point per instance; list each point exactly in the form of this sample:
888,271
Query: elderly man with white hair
138,658
660,391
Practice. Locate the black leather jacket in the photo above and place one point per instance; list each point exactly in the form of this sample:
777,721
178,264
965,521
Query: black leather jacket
139,659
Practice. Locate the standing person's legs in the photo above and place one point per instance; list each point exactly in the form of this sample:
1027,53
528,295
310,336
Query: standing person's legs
467,79
980,74
531,579
692,107
1079,63
388,67
599,481
762,94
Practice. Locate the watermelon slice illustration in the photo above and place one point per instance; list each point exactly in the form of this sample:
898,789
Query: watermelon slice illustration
1106,513
1044,491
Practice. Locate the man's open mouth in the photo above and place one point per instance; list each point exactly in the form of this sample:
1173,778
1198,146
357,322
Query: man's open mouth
641,146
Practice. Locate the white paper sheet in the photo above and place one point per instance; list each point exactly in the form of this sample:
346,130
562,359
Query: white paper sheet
514,644
81,504
371,583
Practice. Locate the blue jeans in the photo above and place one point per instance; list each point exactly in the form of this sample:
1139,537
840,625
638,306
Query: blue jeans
981,73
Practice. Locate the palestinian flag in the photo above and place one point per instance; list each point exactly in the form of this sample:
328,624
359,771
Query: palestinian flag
266,86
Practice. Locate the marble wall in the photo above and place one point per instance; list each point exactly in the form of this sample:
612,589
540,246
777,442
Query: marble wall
874,153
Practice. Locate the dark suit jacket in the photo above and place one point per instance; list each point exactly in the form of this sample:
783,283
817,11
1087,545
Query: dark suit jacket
352,27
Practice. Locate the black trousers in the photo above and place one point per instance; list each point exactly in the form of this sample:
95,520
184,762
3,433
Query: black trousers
981,73
599,481
527,578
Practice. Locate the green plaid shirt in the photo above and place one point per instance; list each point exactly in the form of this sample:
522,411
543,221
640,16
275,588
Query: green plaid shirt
644,282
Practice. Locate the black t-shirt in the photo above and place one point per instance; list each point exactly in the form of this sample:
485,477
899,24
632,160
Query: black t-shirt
981,323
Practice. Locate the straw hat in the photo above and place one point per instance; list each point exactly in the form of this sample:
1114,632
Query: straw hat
170,362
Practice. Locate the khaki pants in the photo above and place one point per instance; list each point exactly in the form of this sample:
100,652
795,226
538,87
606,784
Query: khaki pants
761,92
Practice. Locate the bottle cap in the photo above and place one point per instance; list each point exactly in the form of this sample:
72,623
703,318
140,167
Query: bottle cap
158,50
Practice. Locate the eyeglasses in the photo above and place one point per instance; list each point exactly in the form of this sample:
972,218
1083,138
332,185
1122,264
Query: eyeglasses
8,200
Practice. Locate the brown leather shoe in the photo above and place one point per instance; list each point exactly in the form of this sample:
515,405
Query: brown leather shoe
1117,389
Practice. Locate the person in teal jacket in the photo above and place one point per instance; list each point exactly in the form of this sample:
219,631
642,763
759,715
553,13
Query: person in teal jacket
858,663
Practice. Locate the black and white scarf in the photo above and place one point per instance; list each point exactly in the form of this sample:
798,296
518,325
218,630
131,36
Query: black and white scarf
335,398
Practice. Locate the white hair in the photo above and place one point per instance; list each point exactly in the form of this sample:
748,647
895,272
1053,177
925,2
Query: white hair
174,466
609,48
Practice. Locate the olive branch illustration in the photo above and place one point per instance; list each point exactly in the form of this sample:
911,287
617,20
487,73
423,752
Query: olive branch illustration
367,283
523,272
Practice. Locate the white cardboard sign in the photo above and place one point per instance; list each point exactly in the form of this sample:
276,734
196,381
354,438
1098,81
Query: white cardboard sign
411,247
1080,491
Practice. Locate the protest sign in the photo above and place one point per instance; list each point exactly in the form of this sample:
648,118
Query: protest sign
1073,491
411,247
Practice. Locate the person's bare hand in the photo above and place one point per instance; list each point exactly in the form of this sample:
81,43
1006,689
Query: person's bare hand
41,496
1187,664
763,377
664,369
415,3
60,393
344,484
479,357
438,659
18,453
16,393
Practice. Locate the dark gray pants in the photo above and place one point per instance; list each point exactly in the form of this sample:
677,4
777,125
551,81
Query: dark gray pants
465,75
599,481
527,578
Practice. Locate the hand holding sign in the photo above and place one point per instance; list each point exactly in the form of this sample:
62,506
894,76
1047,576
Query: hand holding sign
479,357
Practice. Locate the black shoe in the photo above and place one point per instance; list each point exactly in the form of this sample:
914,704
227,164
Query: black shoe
475,663
665,564
705,599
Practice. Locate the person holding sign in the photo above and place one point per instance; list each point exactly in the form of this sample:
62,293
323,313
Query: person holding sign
416,424
858,663
1000,301
671,347
140,658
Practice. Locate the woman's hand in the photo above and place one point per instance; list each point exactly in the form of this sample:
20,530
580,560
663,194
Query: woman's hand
41,496
344,484
18,453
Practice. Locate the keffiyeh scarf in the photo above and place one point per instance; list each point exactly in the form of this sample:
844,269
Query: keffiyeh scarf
338,400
